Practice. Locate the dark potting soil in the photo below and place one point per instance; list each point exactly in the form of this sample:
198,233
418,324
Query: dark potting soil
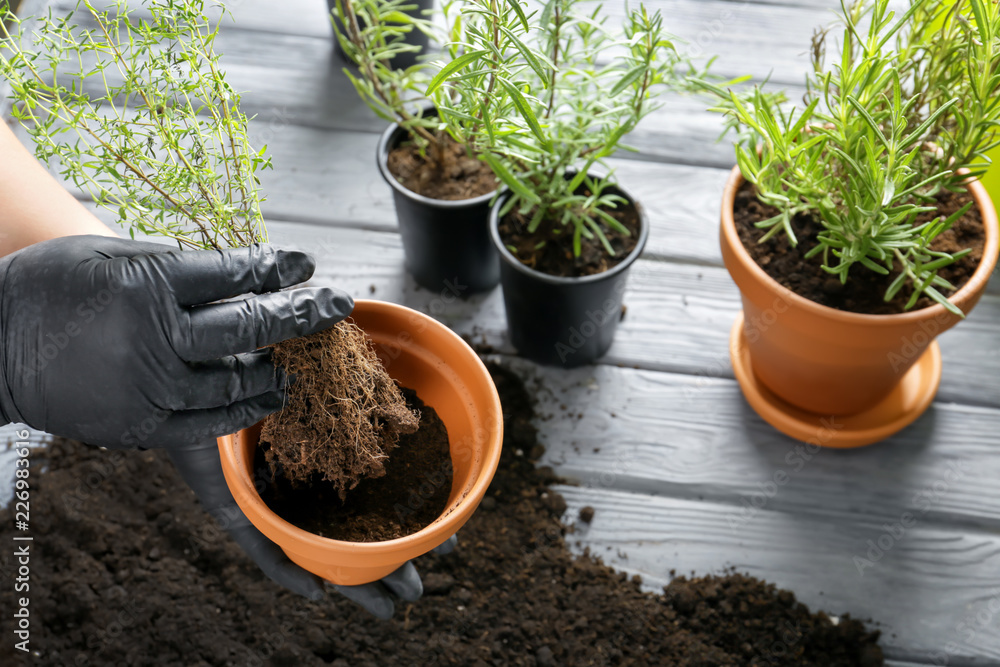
454,176
864,291
550,248
411,494
126,569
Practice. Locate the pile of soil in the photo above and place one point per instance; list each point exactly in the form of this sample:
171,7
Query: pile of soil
411,494
343,414
451,175
550,248
127,569
864,291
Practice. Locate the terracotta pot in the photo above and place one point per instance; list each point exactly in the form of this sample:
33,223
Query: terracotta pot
557,320
834,363
424,355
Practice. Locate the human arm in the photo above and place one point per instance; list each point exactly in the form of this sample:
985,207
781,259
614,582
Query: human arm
33,205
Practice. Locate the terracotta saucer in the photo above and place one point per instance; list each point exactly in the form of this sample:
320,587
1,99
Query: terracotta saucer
911,397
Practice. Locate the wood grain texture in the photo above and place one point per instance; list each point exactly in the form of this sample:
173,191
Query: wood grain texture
289,77
682,473
678,320
683,436
765,40
926,592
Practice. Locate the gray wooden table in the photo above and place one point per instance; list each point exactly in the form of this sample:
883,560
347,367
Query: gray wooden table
679,469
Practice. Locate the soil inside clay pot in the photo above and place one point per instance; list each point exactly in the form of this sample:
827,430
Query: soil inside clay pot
550,248
864,291
411,494
450,175
127,569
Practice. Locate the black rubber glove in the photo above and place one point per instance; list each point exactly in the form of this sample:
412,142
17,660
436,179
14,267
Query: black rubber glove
113,342
117,343
201,468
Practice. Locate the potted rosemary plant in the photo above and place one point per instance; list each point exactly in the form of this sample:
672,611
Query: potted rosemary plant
855,227
566,231
165,147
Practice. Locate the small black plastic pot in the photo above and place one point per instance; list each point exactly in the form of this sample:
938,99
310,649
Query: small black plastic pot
447,243
414,37
563,321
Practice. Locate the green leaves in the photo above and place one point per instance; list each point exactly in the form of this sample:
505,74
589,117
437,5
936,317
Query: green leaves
905,112
628,79
536,95
452,68
524,109
141,118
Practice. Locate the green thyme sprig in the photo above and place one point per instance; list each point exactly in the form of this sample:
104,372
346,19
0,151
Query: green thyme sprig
138,114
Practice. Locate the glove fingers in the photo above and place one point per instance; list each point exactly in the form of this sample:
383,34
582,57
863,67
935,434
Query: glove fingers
273,562
193,426
372,597
198,277
225,381
405,583
223,329
111,248
447,547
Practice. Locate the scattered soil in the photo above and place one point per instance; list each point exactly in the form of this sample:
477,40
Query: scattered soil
411,494
343,413
550,248
454,175
864,291
128,570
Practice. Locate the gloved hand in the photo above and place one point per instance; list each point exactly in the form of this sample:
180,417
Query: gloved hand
201,468
116,342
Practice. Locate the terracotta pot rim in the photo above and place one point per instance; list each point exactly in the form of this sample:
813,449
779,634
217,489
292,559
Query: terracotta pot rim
382,159
508,257
975,283
289,536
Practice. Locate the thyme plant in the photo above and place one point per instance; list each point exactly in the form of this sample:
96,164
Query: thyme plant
138,114
543,97
911,102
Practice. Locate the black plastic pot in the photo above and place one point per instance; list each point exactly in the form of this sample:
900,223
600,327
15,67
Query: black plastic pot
447,243
562,321
414,37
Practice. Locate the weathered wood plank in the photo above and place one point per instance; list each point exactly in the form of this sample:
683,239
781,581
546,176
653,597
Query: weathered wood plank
330,178
925,593
694,438
678,319
295,78
9,445
287,79
760,39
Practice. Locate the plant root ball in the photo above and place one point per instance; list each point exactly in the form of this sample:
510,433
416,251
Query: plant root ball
343,414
